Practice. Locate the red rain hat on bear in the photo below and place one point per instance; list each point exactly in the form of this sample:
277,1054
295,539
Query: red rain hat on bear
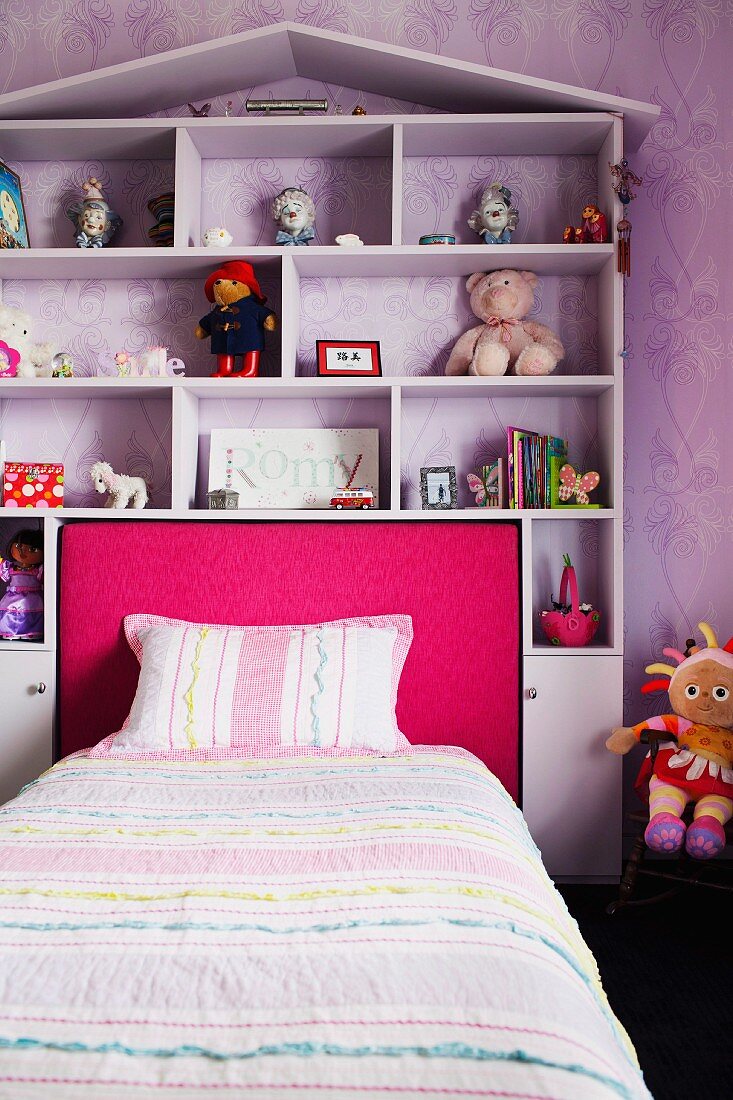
236,270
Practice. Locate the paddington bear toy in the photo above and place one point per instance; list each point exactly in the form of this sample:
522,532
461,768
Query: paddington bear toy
238,320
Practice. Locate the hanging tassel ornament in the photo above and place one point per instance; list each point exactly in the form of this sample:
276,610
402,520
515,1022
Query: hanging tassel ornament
624,247
623,178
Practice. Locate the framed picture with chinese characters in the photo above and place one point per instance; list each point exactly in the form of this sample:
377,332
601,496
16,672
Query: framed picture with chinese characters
348,359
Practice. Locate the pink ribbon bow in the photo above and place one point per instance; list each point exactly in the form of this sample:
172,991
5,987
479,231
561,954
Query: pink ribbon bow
504,325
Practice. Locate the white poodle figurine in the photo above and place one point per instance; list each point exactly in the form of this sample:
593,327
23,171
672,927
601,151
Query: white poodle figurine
123,490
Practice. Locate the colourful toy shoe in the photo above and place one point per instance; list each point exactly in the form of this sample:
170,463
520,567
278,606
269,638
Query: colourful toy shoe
665,833
705,838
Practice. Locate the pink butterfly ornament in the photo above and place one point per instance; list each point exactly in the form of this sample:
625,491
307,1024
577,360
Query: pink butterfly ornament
573,484
487,486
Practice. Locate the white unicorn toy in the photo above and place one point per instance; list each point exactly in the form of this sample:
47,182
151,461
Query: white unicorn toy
124,491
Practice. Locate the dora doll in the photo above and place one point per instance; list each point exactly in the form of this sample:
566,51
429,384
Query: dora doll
21,607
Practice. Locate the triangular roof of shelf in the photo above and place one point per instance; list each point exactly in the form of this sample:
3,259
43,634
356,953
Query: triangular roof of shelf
282,50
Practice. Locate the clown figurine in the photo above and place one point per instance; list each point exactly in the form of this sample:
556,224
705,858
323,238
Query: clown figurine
238,320
295,213
95,222
694,761
496,218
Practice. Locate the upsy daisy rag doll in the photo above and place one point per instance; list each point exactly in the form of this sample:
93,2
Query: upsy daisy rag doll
696,763
21,607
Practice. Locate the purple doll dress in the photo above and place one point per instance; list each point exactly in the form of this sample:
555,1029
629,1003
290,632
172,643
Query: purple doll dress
21,608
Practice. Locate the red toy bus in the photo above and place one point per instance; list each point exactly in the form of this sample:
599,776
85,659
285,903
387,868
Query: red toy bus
353,498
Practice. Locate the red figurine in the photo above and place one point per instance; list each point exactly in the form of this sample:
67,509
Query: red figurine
594,225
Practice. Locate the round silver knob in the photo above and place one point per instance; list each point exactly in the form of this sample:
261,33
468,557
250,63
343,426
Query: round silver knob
532,692
40,688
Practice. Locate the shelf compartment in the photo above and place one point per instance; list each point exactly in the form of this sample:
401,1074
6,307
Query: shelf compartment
418,319
50,186
89,318
590,544
133,434
453,431
236,167
441,191
352,194
370,411
13,520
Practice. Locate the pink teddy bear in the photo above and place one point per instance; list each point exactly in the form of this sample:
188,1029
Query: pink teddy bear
504,341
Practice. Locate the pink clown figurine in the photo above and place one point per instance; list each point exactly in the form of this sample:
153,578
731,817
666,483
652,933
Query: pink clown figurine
21,607
694,762
94,220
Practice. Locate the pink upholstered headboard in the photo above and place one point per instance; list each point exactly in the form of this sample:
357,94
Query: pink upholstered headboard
459,581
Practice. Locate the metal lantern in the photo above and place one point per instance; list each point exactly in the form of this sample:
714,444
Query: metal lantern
223,499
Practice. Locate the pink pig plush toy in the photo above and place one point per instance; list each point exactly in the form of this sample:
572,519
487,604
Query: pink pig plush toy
501,299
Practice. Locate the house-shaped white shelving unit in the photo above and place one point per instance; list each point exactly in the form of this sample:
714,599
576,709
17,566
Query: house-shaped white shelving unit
575,696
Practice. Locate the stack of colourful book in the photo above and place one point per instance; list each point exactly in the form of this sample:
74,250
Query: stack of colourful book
162,210
533,468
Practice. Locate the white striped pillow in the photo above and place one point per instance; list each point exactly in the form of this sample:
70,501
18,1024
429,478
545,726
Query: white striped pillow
210,692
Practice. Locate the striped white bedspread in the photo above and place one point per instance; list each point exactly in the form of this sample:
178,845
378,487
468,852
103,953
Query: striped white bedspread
347,927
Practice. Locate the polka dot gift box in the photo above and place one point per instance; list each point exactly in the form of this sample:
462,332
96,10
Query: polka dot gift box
33,485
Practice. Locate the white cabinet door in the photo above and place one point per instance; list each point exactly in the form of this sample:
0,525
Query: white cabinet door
26,718
571,783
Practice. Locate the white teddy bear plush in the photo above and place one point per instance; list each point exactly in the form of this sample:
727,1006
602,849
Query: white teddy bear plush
15,330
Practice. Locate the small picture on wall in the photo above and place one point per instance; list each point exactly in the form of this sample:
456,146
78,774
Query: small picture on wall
438,487
13,226
348,358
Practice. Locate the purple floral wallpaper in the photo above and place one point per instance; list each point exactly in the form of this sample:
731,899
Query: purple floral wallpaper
679,383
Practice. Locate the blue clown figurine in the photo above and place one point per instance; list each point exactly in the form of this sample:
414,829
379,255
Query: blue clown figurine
295,213
496,218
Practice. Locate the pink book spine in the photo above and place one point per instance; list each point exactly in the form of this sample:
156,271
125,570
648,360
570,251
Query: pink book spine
510,466
519,476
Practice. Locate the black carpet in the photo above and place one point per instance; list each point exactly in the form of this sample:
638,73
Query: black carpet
667,970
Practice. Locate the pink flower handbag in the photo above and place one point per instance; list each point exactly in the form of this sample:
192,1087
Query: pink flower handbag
572,624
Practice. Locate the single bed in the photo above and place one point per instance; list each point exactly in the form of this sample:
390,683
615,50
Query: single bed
345,924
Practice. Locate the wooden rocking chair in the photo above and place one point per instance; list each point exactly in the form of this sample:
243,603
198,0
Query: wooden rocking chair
683,872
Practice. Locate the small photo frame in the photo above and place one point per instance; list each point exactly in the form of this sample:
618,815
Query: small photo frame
348,359
13,224
438,487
